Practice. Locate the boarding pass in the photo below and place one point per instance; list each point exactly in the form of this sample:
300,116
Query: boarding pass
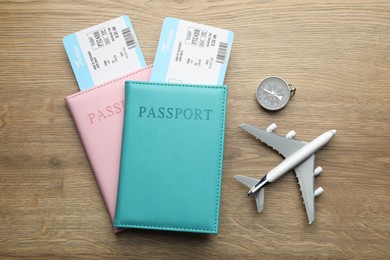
104,52
192,53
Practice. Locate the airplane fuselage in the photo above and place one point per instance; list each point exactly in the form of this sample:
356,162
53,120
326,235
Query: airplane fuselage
294,160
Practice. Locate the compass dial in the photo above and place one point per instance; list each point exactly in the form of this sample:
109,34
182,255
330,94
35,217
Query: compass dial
273,93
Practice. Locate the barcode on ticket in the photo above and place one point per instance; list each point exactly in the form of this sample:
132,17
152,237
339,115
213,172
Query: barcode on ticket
129,38
222,52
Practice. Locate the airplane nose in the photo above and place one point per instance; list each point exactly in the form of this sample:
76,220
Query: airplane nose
333,131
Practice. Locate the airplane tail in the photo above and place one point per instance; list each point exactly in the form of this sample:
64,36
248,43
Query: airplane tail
250,183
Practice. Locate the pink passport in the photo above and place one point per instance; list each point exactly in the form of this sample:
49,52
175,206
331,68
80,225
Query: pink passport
98,115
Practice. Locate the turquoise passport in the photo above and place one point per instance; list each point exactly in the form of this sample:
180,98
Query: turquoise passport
172,154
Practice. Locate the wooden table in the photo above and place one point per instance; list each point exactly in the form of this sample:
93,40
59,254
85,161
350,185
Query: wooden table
337,55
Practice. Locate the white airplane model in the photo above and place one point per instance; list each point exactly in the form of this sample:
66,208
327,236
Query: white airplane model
299,156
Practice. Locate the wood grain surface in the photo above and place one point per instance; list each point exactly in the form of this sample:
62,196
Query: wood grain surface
336,54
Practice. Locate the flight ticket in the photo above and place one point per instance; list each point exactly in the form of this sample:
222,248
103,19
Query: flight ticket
191,53
104,52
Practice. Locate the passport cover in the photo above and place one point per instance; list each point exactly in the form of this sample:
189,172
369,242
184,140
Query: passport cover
98,115
172,155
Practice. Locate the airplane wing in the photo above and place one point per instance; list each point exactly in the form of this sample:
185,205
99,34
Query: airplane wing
285,146
250,182
305,175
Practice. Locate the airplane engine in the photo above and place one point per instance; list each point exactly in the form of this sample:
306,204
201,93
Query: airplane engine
291,134
318,170
318,191
271,127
